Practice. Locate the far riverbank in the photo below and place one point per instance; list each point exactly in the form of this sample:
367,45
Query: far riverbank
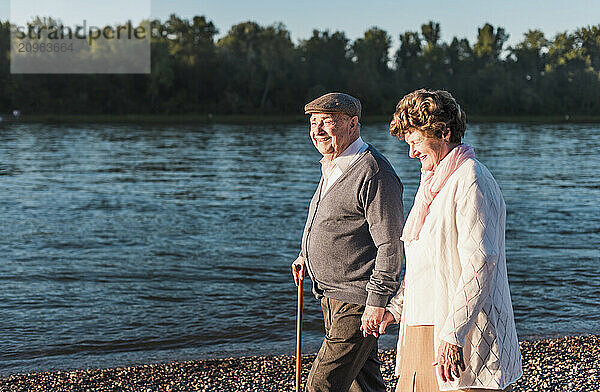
242,119
563,364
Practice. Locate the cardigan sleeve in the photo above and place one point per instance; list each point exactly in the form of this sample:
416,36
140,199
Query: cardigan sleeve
480,217
383,212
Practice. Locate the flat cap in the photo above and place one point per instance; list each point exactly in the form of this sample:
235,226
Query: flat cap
335,103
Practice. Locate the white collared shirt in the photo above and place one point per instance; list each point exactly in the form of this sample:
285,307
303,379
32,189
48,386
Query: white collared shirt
343,162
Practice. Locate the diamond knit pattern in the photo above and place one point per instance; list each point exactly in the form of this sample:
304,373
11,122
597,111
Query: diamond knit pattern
480,317
472,303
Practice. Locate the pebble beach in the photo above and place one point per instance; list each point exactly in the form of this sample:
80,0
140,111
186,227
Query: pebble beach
563,364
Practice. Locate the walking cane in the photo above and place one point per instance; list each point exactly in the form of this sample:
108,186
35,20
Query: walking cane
299,330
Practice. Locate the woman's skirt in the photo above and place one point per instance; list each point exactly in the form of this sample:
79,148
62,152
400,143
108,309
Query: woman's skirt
417,373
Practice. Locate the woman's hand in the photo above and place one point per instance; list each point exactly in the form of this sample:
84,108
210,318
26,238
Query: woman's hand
388,318
450,361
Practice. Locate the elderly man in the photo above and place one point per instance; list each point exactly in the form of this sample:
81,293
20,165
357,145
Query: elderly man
351,246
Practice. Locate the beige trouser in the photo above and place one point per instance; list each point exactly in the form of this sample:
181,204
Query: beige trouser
416,371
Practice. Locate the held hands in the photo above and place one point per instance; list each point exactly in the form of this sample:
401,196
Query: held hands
450,361
374,321
388,319
298,270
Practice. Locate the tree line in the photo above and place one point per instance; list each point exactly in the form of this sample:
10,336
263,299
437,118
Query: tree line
256,69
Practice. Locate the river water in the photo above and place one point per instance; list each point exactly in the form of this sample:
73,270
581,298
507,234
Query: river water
126,244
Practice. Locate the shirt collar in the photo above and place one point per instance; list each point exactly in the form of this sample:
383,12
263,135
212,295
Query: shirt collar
347,157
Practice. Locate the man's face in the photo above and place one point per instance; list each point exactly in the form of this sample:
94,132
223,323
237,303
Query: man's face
332,133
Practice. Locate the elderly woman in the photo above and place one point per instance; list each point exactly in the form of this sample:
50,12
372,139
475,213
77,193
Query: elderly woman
457,327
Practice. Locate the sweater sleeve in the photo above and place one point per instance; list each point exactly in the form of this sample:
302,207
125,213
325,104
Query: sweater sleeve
479,221
384,215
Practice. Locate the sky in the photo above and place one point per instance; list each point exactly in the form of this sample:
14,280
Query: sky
459,18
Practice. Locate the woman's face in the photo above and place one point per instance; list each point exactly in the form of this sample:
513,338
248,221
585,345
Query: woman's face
430,151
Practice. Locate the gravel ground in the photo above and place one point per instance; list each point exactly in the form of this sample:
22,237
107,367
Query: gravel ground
567,364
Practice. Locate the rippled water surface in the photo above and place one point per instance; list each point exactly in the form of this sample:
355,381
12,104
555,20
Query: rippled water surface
124,244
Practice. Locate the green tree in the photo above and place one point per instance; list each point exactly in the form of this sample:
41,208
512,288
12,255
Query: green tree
277,57
256,69
371,51
6,94
572,82
326,64
162,77
408,61
530,54
186,64
371,76
490,43
527,61
489,78
588,39
435,64
431,34
259,63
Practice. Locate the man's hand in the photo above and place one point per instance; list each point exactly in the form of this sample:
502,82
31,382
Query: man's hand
298,275
371,319
450,361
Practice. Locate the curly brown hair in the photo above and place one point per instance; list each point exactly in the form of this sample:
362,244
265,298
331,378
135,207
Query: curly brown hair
434,113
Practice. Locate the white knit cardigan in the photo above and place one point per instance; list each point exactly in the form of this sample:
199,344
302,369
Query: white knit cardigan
471,299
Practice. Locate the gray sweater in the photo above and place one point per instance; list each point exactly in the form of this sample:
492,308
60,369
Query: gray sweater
351,242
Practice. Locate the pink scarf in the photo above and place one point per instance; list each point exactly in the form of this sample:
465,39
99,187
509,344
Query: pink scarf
432,183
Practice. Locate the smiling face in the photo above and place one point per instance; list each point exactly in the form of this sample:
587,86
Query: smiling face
430,151
332,133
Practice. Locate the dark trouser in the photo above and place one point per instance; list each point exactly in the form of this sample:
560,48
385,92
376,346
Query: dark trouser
347,361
